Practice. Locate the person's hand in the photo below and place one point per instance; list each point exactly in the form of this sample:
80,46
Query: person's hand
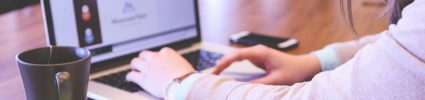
155,70
281,68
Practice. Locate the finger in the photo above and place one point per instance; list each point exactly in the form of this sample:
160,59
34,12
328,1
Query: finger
166,50
251,53
226,61
138,64
256,54
147,55
133,76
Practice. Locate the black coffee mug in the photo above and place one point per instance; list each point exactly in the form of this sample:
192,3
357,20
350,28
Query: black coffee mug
55,73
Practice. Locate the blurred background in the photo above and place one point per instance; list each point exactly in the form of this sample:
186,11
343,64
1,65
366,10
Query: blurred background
9,5
314,23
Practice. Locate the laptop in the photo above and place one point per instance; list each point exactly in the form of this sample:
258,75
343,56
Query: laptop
115,31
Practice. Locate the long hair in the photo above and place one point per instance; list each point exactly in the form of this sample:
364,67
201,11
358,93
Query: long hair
393,9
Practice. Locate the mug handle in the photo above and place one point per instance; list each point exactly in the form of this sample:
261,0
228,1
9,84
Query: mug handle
63,85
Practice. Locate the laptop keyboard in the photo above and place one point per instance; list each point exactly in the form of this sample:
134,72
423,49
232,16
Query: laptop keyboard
199,59
118,80
202,59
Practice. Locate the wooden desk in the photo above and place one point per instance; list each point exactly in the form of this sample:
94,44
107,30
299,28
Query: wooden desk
313,22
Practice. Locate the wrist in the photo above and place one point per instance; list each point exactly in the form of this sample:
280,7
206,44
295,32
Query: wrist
174,86
183,77
311,65
314,64
328,59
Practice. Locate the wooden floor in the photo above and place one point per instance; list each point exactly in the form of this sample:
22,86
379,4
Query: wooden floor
314,22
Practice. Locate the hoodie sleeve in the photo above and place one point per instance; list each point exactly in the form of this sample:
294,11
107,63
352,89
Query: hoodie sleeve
333,55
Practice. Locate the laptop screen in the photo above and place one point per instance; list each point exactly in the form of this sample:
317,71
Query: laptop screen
112,28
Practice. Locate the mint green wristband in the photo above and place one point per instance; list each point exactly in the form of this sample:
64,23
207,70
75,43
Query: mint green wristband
328,59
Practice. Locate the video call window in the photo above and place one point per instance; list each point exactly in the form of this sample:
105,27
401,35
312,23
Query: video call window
87,18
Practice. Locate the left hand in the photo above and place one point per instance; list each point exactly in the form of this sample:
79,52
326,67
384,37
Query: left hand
281,68
154,71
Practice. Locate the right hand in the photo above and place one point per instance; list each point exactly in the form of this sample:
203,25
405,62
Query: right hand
154,71
281,68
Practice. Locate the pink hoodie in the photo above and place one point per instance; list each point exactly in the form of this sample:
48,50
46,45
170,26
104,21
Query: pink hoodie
385,66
